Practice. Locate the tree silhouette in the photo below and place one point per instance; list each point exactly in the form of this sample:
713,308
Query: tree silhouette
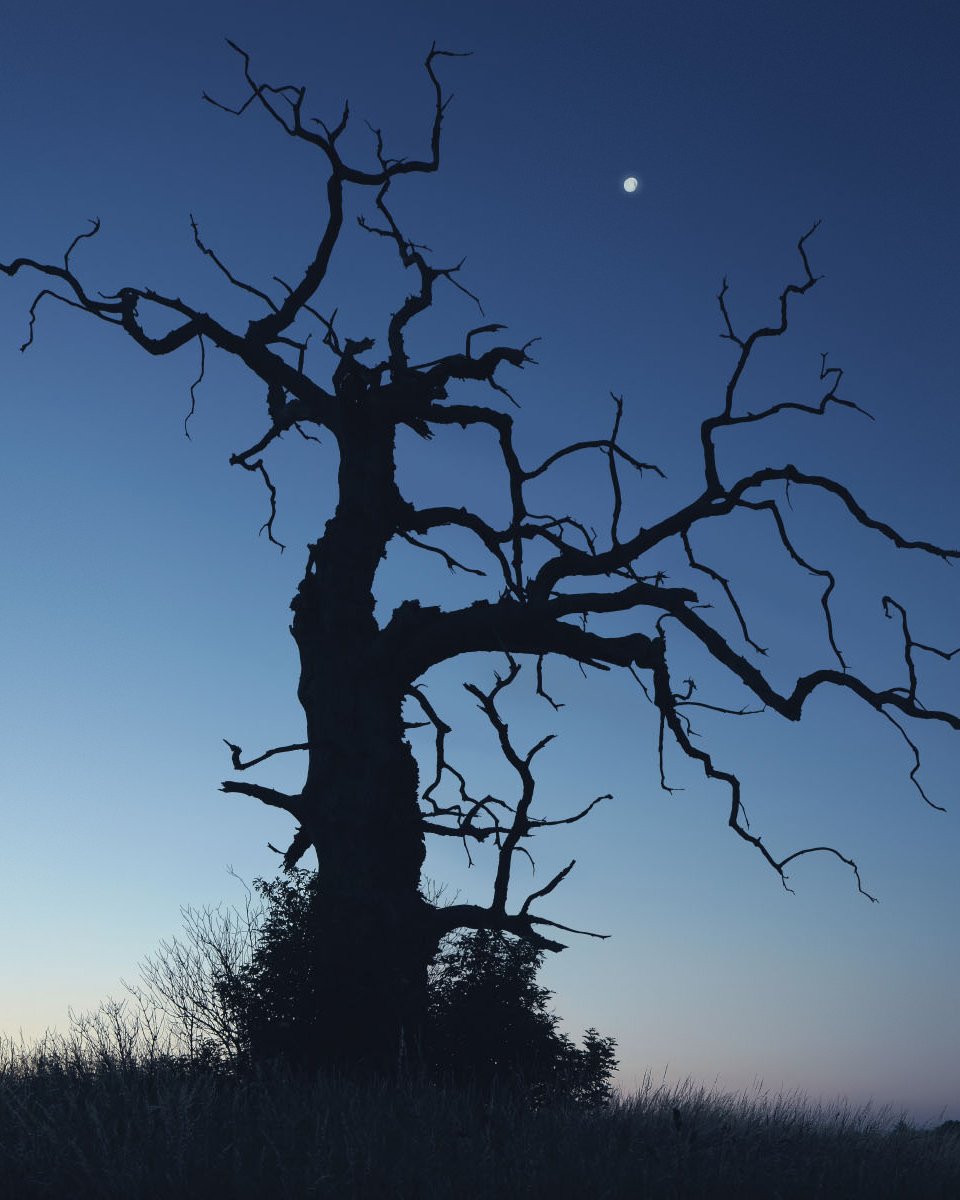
361,806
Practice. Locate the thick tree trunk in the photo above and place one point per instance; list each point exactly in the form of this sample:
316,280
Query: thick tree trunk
361,796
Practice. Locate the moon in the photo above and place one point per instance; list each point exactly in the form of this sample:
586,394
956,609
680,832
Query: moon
631,184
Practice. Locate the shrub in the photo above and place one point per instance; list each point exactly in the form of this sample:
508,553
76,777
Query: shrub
488,1019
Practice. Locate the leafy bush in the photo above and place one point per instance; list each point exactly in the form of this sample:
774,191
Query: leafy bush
488,1019
489,1022
271,994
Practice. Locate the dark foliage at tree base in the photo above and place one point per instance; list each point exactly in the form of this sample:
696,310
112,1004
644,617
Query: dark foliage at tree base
488,1023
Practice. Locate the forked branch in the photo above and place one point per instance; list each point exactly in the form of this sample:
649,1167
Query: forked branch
510,832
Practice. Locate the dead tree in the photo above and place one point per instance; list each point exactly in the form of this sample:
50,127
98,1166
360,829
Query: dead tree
361,806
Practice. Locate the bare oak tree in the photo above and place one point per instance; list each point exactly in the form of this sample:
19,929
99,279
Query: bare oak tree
361,806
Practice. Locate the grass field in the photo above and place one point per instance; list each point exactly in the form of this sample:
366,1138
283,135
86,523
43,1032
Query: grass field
87,1116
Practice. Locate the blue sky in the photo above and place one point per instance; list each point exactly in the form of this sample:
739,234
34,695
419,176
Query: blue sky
143,620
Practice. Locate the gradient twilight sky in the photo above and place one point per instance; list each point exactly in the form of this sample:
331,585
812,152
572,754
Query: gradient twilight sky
143,620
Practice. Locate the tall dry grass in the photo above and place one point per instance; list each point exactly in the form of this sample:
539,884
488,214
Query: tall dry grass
115,1111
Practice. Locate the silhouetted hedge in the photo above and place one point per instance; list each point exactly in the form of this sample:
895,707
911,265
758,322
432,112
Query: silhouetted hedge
488,1019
